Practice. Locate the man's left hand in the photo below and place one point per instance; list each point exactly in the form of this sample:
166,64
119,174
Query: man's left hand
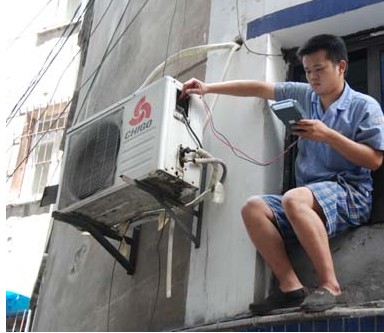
311,129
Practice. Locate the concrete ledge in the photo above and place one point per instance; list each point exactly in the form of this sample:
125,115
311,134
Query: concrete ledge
359,264
287,318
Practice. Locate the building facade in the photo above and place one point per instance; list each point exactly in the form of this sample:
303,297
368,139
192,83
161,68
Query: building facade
84,289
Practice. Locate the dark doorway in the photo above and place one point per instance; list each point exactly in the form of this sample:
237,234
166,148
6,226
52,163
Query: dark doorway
365,74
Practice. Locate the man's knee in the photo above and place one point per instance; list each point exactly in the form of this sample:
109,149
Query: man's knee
297,196
299,199
253,208
253,203
296,199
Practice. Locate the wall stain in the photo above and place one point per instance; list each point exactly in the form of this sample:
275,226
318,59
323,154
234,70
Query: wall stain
78,259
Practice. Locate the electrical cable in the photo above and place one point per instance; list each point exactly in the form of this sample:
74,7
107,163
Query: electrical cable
68,65
243,40
37,142
43,69
165,215
239,153
236,151
48,62
177,70
101,18
28,24
108,52
103,57
65,108
112,276
169,37
42,113
110,293
188,125
152,315
223,74
98,68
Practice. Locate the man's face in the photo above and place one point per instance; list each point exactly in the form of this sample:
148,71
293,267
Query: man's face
323,75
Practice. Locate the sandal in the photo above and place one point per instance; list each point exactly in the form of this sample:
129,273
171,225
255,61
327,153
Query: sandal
320,300
279,300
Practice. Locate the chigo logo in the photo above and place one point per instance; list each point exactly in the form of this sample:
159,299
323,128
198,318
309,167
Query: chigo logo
142,111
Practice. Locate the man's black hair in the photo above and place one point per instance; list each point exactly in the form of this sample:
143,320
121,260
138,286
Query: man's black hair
333,45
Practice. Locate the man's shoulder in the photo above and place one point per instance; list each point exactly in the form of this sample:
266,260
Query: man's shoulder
363,99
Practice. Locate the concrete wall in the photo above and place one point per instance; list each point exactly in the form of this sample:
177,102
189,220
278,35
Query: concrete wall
222,271
82,290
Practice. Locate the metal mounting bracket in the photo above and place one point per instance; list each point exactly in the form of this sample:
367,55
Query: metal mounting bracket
167,203
100,232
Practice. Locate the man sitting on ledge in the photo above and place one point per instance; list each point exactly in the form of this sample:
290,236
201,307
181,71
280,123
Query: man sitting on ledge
340,142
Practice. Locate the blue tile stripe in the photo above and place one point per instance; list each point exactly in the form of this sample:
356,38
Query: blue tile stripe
307,12
337,324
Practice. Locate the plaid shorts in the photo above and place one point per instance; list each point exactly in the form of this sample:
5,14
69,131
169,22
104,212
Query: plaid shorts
343,205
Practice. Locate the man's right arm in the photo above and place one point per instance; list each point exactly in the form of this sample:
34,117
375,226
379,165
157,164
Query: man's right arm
261,89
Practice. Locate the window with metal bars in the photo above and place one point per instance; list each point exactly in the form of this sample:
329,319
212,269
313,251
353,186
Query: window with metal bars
39,149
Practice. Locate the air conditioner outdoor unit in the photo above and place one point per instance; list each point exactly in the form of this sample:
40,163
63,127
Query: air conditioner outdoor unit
138,137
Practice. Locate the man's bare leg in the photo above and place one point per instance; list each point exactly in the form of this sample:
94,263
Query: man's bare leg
306,217
258,217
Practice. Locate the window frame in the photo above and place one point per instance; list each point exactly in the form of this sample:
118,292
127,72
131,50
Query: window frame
23,180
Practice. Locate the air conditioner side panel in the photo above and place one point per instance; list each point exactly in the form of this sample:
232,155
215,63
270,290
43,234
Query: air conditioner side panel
177,135
152,135
141,128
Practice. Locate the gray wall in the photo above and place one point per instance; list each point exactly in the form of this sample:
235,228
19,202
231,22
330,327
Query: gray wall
160,30
80,275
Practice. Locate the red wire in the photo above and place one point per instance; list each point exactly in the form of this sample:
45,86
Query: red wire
235,149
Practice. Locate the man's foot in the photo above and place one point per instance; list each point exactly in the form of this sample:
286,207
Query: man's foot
320,300
279,300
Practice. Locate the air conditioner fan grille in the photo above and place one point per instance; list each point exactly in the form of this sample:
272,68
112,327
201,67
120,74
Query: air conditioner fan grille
93,163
